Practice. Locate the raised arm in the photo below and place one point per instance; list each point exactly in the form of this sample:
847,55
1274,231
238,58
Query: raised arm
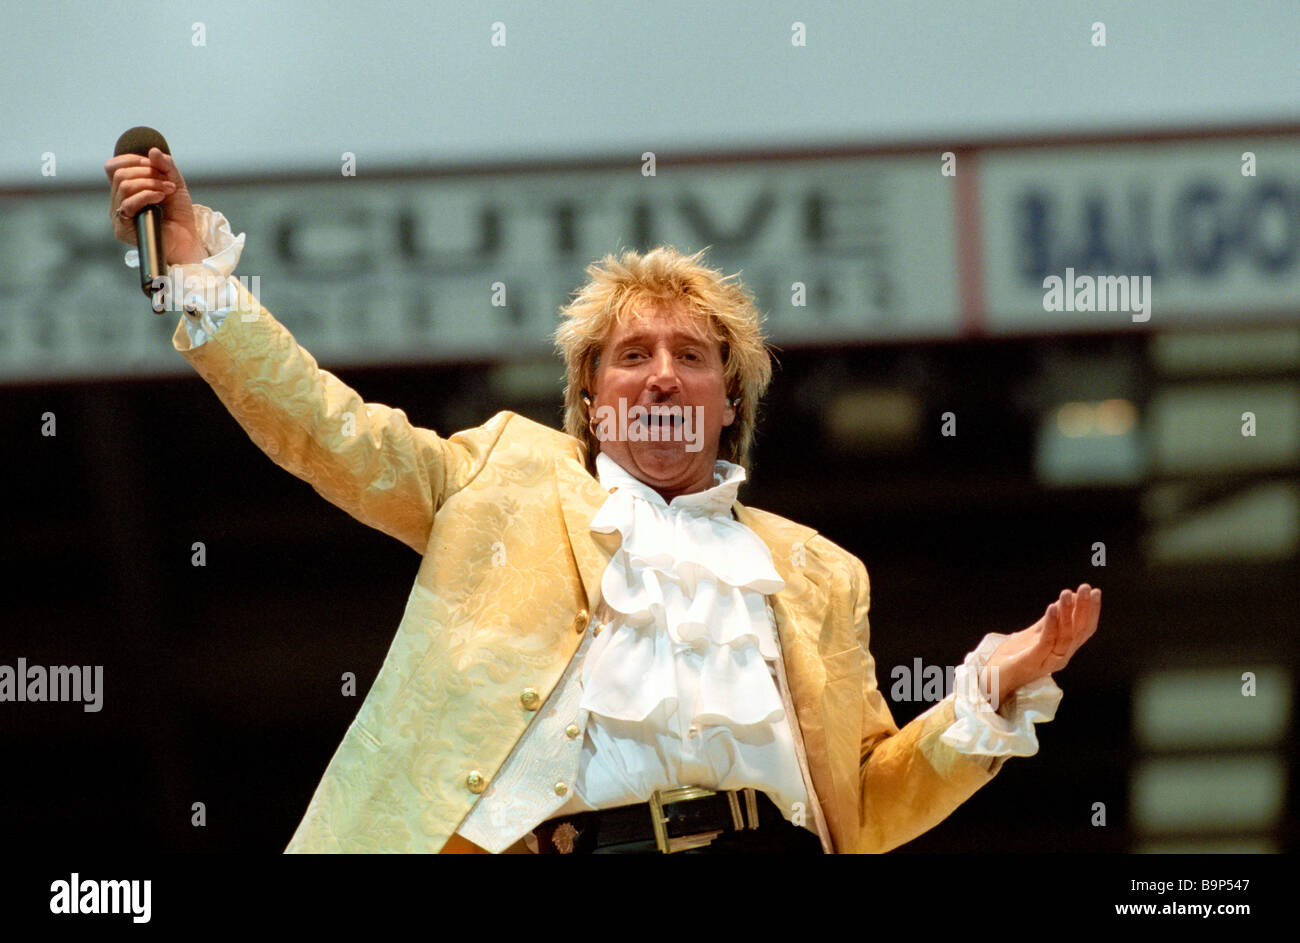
366,458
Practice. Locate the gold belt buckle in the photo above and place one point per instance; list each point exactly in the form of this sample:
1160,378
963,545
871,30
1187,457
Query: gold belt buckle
661,797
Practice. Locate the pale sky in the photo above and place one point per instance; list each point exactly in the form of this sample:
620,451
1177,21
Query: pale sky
292,85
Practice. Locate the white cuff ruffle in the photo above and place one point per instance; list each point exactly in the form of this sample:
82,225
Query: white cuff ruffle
979,730
207,296
218,239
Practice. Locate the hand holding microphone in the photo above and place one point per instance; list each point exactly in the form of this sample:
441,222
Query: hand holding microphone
151,206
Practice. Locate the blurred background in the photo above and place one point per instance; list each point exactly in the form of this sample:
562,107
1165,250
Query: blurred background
893,181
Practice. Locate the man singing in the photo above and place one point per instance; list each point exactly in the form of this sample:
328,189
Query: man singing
604,650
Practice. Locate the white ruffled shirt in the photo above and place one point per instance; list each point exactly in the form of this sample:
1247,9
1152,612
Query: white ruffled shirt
676,682
682,688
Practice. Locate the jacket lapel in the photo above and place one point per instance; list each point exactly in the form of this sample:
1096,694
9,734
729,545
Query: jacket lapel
800,605
801,612
580,496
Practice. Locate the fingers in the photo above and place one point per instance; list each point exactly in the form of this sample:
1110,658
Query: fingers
1079,613
138,176
113,164
1067,600
129,188
1089,613
165,166
1063,628
1052,641
137,202
137,194
161,162
1087,605
137,182
1051,636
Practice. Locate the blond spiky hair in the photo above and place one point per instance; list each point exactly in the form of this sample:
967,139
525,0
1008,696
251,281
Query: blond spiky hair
621,287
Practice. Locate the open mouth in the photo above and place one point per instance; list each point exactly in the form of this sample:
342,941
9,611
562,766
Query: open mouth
663,421
660,422
664,424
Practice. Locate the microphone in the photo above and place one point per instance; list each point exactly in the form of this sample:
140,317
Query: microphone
148,222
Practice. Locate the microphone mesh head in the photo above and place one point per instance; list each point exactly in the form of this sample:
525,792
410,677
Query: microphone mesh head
138,140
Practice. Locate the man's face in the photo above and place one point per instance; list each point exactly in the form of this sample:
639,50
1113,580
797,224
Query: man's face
669,362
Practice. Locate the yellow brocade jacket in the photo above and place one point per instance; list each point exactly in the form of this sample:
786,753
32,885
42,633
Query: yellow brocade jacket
510,572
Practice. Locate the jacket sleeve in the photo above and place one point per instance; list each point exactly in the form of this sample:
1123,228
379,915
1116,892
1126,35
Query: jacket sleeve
366,458
910,781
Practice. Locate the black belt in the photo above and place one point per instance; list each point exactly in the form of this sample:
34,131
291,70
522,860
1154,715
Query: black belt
687,818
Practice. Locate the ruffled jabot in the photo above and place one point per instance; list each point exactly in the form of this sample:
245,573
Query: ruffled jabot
693,638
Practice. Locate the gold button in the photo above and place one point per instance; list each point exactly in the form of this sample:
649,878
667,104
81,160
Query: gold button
572,731
694,731
475,782
529,699
580,620
561,789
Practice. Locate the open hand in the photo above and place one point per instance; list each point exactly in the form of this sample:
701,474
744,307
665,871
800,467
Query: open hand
1044,647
